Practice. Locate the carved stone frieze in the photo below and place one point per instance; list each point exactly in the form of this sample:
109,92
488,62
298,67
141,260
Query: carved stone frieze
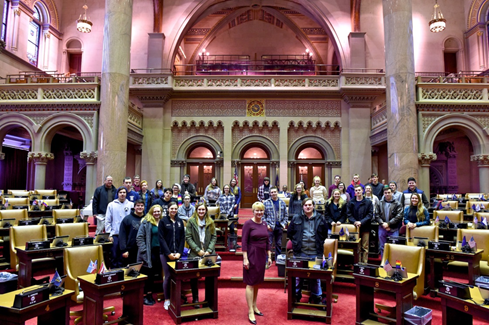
150,81
483,119
189,82
482,160
365,100
89,157
303,108
186,131
37,107
314,31
324,82
363,81
427,120
183,108
198,31
462,94
69,93
266,82
40,157
135,116
379,118
292,82
425,159
333,164
223,82
18,94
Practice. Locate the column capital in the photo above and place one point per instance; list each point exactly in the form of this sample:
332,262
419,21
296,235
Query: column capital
482,160
425,159
40,158
90,157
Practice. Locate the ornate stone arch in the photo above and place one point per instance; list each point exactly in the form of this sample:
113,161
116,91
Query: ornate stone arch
477,134
320,143
252,139
13,120
477,12
55,122
184,148
50,6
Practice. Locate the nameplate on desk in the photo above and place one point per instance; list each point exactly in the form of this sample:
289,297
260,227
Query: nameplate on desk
366,269
109,277
37,245
455,289
295,263
397,240
80,241
439,245
65,220
29,222
334,236
31,297
462,225
187,264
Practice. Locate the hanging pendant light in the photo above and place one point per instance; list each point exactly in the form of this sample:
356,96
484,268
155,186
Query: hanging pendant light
83,24
437,22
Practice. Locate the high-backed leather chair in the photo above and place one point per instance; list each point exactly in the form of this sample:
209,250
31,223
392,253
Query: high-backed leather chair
19,193
76,261
474,196
65,214
331,246
72,229
213,211
45,194
452,204
454,216
447,196
20,214
469,205
351,228
286,201
479,215
50,203
18,202
430,232
481,237
19,235
412,258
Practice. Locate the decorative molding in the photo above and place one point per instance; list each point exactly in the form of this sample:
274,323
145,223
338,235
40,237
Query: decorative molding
225,82
89,157
188,82
303,108
265,129
256,82
473,18
134,136
364,81
378,137
330,134
364,100
425,159
177,163
198,31
135,116
324,82
291,82
69,93
185,108
379,118
314,31
451,108
333,164
482,160
427,120
157,80
40,158
18,94
36,107
187,130
451,94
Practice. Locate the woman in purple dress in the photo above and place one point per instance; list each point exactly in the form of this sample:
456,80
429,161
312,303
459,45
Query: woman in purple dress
255,251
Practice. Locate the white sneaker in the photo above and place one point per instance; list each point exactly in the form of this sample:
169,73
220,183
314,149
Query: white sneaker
167,304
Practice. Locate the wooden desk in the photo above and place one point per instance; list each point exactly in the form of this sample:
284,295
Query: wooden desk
177,276
55,311
353,245
222,239
26,257
365,286
131,289
310,273
473,261
457,311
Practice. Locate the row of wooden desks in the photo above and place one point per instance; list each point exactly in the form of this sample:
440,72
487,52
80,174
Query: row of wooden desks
456,311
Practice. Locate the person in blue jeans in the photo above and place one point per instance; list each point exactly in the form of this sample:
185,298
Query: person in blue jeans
307,231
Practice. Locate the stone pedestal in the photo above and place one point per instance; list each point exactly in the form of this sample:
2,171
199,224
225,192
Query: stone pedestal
40,160
402,144
423,181
91,177
116,55
483,164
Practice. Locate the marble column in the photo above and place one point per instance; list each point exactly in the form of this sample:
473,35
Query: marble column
423,181
40,160
116,54
91,175
483,164
284,155
228,167
402,143
2,3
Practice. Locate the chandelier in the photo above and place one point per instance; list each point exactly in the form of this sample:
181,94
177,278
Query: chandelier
437,22
83,24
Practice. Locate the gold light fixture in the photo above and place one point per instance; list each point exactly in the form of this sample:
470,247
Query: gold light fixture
437,23
83,24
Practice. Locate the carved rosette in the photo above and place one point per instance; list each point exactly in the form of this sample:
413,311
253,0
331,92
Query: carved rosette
40,158
482,160
425,159
89,157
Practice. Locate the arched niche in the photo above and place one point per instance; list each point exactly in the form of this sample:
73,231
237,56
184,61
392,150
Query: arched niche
253,140
319,143
195,141
11,121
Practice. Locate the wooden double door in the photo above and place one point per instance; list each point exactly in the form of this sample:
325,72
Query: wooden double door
201,175
252,176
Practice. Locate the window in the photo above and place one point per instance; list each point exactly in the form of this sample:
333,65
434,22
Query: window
5,16
33,38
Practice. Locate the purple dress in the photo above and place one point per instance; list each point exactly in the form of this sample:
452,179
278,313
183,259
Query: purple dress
255,242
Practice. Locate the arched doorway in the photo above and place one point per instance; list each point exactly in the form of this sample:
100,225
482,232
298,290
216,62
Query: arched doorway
310,163
14,171
255,166
201,166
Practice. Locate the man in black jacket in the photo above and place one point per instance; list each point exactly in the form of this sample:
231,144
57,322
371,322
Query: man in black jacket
128,233
360,213
390,217
102,196
307,231
188,188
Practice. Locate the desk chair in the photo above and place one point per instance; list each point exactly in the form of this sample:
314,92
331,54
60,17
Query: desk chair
18,202
213,212
474,196
413,259
452,204
286,201
430,232
20,214
19,193
481,237
331,246
50,203
19,235
72,229
469,204
351,228
76,261
47,194
65,214
479,215
454,216
447,196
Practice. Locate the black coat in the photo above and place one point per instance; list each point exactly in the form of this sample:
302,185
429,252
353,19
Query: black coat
364,213
171,235
329,213
188,187
128,232
296,230
100,199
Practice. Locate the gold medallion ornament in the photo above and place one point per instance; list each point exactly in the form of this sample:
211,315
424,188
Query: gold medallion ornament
255,107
